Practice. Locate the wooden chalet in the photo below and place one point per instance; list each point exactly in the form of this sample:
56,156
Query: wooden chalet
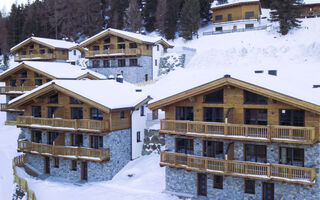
311,8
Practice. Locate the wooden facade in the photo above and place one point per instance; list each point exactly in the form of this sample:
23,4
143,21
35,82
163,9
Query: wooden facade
236,11
310,10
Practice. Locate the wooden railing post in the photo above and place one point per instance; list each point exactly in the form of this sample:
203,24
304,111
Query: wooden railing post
269,170
313,173
225,129
290,134
246,131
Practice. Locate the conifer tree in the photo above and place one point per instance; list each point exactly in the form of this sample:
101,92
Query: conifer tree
190,18
222,1
133,17
205,14
149,13
173,14
161,13
117,13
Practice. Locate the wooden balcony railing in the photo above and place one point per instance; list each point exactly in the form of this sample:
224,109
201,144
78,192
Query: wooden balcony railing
4,108
270,133
65,152
64,124
113,52
263,171
34,57
14,90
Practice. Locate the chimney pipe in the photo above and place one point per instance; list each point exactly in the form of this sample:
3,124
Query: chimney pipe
119,78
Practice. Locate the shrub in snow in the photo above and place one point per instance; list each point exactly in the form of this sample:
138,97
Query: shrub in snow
170,62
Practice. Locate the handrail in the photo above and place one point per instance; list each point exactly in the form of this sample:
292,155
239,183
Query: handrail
267,171
269,133
34,56
77,124
65,151
4,107
21,182
134,51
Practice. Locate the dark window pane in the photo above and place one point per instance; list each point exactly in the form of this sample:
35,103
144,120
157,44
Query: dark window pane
122,115
256,153
107,40
38,82
74,101
229,17
218,182
214,97
184,113
184,145
121,46
24,74
76,140
36,111
249,186
96,142
76,113
95,48
256,116
36,136
121,63
213,114
133,45
292,156
106,63
96,114
52,136
213,149
133,62
51,111
249,15
252,98
13,83
53,99
291,117
120,39
218,17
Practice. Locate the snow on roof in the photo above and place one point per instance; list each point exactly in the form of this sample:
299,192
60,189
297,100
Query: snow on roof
61,44
108,93
143,38
216,4
311,1
58,70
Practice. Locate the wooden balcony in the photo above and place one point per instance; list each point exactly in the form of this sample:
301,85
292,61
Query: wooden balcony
18,58
4,108
261,171
85,125
114,52
257,133
15,90
69,152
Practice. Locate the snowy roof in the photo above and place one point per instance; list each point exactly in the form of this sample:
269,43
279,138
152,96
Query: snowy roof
137,36
311,1
57,70
60,44
216,4
108,93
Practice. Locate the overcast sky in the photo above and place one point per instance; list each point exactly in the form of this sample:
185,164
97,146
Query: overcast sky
6,4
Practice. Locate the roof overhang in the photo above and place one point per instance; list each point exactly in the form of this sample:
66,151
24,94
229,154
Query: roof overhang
239,84
28,41
236,5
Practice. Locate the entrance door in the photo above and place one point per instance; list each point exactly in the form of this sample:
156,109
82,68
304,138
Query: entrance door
268,191
202,184
46,165
84,171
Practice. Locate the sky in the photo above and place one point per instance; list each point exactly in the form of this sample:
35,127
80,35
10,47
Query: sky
6,4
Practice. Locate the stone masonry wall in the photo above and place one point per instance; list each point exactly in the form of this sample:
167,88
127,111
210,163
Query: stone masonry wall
153,142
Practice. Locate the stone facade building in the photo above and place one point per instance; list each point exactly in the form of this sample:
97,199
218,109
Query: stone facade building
70,129
230,139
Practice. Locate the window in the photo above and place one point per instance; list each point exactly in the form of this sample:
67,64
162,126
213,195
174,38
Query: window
213,114
13,83
24,53
219,28
22,81
74,101
249,15
42,51
96,63
121,62
249,26
213,149
56,162
76,140
155,62
38,82
36,111
184,145
96,114
120,39
63,52
37,75
217,182
133,45
138,136
184,113
73,165
106,63
158,48
53,99
133,62
256,153
30,52
36,136
41,46
291,117
96,141
48,80
52,136
249,186
252,98
122,115
229,17
106,47
50,50
155,114
141,110
76,113
218,17
256,116
146,77
51,111
24,74
213,97
121,46
107,40
31,46
292,156
95,48
74,52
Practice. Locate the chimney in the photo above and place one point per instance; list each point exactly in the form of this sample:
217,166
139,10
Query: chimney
272,72
111,77
258,71
119,78
227,76
316,86
139,90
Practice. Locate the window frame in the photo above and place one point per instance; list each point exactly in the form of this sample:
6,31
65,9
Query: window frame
251,98
73,165
292,117
133,62
121,62
53,99
96,141
78,115
218,182
249,186
55,162
35,109
36,136
257,153
249,14
218,18
184,145
292,159
184,113
217,97
96,114
255,116
215,112
138,136
133,45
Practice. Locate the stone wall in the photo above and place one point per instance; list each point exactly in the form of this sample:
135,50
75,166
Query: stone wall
185,182
132,74
153,142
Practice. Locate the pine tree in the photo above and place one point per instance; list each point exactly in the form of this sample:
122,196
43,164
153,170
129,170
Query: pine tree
15,25
205,14
133,17
161,13
222,1
117,12
190,18
286,13
149,13
173,14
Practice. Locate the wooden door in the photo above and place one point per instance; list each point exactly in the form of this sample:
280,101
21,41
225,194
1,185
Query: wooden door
84,171
46,165
268,191
202,184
